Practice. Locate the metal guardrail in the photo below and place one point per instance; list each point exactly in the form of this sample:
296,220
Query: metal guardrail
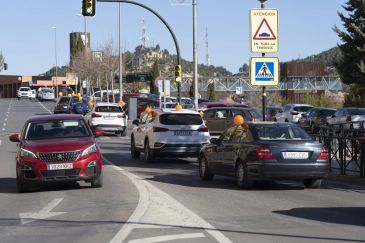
346,148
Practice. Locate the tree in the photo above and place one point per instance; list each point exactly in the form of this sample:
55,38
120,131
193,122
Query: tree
212,91
2,61
155,74
351,66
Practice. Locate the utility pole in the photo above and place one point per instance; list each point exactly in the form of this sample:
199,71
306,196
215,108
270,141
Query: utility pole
120,59
195,54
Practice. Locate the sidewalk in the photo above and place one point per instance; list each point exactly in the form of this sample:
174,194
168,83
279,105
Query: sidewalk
352,179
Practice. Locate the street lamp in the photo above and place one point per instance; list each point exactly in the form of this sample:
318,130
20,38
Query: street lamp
55,51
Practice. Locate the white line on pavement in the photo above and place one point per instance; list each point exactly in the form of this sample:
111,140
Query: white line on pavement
157,208
3,129
50,112
5,119
168,238
4,124
0,142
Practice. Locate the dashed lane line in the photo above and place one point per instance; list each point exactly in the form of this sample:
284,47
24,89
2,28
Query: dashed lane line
168,238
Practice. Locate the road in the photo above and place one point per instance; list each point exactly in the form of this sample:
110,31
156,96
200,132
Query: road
165,201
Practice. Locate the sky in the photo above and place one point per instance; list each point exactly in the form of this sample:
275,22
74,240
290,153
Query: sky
28,41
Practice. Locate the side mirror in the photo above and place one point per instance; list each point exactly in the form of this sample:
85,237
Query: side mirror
98,132
135,122
14,137
214,141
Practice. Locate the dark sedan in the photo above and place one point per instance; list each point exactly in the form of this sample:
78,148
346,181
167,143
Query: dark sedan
314,118
265,151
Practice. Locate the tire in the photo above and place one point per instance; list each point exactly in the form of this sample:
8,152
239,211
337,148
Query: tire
286,120
118,134
22,186
123,133
241,177
148,156
134,153
97,182
312,183
275,120
204,172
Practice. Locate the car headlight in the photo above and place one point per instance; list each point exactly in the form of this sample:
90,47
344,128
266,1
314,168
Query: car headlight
89,150
27,153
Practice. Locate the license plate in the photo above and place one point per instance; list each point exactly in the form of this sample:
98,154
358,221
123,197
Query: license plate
60,166
109,117
182,133
295,155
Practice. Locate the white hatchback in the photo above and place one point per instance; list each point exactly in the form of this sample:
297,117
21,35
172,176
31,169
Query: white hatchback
168,133
109,117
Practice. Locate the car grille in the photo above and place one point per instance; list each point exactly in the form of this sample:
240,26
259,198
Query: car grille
60,173
59,156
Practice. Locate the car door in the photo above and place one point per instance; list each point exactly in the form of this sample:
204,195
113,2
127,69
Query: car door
223,146
140,131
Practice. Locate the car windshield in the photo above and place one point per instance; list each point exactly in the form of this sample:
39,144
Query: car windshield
24,89
64,100
181,119
110,109
281,133
355,112
255,114
302,108
56,129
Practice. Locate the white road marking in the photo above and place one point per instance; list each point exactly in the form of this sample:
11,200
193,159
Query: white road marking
168,238
4,124
157,208
43,213
0,142
50,112
6,119
3,129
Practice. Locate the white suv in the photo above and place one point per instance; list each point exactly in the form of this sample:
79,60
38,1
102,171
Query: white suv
109,117
24,92
168,133
292,112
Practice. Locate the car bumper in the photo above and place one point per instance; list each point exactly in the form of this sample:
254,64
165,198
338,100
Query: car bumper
109,128
178,150
283,171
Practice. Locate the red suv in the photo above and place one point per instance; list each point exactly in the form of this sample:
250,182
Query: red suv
57,148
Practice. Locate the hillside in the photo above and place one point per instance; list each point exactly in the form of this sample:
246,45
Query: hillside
328,57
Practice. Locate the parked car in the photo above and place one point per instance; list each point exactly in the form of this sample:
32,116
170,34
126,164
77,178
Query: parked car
168,133
24,92
292,112
32,94
57,148
219,119
265,151
109,117
348,117
270,113
314,118
205,105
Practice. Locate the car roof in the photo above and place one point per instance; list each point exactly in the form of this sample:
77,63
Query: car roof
54,117
107,104
173,111
267,123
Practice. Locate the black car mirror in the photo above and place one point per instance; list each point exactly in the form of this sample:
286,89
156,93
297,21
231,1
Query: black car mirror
14,137
135,122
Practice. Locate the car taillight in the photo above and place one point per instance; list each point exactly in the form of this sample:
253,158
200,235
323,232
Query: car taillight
159,129
348,118
121,116
294,113
264,153
93,115
203,129
324,154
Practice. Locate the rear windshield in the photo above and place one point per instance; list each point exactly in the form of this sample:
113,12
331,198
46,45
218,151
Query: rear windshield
355,112
24,89
302,108
110,109
56,129
181,119
64,100
326,112
281,133
255,114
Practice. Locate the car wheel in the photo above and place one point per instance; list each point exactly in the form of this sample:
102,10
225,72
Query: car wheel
148,156
97,182
286,120
21,185
124,133
18,98
118,134
204,172
275,120
241,177
134,153
312,183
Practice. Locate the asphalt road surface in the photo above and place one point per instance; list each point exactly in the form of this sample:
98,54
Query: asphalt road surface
165,201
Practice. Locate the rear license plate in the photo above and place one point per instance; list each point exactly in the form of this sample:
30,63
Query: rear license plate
109,117
60,166
295,155
182,133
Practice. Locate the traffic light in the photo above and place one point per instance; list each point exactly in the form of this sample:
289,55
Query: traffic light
88,7
5,66
178,73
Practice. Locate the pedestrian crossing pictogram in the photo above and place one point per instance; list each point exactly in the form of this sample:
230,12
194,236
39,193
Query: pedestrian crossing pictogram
264,71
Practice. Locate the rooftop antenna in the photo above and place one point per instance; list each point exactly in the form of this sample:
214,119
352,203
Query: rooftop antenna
144,38
206,48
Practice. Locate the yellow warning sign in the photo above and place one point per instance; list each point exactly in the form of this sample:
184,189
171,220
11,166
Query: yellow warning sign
264,30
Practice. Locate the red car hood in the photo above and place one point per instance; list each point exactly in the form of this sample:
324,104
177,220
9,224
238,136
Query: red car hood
58,145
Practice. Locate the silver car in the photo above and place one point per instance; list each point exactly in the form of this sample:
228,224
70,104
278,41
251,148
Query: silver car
292,112
348,117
